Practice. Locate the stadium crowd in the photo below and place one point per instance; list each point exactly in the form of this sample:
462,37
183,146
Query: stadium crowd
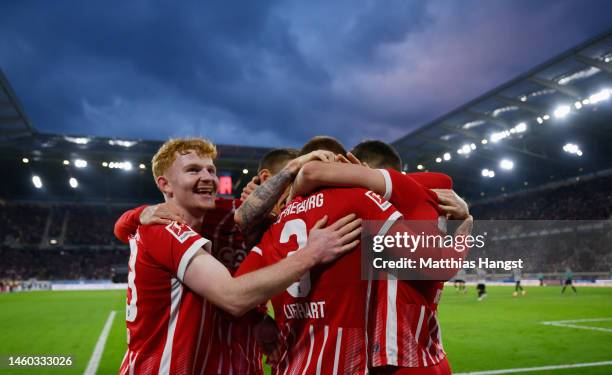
582,200
87,248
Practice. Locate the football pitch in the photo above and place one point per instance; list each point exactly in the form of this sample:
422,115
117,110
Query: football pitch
499,333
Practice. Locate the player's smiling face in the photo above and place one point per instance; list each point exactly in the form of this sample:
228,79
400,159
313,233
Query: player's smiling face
194,181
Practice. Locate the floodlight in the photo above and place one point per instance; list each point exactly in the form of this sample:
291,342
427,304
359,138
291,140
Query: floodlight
562,111
599,96
506,164
80,163
37,182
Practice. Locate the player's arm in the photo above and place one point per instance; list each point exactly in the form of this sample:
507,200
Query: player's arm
209,278
252,216
316,174
129,221
127,224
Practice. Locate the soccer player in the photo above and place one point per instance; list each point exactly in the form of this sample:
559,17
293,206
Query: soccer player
459,282
415,301
516,274
481,286
323,315
233,347
173,281
569,277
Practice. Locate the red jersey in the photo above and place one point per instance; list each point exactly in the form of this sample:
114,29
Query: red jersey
405,331
218,225
165,319
323,316
227,343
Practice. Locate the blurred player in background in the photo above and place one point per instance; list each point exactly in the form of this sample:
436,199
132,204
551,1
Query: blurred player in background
172,280
481,286
459,282
569,280
517,276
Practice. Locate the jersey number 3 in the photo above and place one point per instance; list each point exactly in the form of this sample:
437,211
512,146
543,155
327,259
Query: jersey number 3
297,227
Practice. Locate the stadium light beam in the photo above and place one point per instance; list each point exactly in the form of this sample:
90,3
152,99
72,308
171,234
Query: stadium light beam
447,156
438,160
25,160
142,166
420,167
245,171
73,182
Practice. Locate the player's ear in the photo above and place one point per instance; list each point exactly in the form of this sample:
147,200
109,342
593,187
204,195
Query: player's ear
264,174
163,184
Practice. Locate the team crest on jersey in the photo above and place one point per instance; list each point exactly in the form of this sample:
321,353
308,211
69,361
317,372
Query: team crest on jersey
380,202
180,231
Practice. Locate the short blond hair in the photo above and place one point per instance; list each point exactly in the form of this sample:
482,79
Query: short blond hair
166,155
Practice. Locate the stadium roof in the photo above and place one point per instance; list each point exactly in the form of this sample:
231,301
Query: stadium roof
13,120
107,176
550,123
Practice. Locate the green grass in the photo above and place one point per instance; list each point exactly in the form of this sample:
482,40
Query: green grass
500,332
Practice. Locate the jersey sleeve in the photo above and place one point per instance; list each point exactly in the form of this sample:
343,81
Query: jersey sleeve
172,246
260,256
128,223
432,180
373,207
402,190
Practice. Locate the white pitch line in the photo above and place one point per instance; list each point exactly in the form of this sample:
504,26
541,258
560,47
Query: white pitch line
541,368
579,320
567,324
600,329
94,361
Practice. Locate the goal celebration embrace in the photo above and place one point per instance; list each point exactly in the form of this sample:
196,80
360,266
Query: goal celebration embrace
306,188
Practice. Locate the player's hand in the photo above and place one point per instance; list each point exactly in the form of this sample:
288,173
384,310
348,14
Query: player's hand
250,187
159,214
322,155
267,335
350,158
452,204
296,164
328,243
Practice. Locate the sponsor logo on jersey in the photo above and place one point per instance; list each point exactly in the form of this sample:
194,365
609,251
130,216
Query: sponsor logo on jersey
180,231
380,202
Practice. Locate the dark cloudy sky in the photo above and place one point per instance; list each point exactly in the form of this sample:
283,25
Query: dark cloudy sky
273,73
